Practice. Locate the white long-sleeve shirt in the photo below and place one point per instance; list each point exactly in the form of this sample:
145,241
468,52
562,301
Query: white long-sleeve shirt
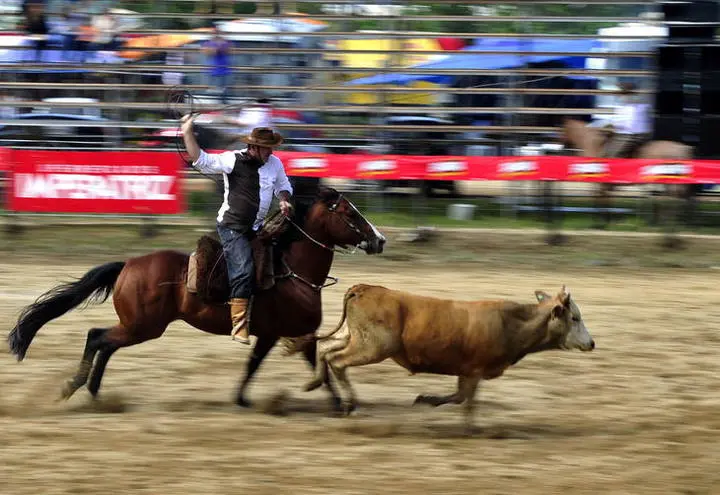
272,179
633,118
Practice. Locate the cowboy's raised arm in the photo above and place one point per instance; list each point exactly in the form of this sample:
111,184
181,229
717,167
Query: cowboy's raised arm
209,163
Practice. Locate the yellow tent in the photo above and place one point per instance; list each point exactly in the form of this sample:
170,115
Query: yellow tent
376,62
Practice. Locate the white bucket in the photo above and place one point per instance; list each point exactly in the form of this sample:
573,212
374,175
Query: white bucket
461,211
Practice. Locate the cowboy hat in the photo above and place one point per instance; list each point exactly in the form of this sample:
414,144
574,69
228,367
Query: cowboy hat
263,136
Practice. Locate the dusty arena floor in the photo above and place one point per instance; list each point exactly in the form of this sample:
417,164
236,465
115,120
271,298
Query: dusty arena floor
639,415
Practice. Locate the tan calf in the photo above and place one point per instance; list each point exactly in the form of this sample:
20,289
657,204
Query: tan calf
473,340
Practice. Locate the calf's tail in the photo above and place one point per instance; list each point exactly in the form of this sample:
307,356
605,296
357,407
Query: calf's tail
348,295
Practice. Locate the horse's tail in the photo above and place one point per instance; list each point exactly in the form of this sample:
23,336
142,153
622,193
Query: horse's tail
95,286
348,295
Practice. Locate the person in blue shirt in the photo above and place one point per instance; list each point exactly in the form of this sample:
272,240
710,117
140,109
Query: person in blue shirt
218,49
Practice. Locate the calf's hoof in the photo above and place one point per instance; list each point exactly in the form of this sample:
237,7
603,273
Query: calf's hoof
427,399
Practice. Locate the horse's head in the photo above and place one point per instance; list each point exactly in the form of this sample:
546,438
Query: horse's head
340,223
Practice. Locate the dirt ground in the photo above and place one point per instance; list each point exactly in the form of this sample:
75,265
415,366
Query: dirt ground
641,414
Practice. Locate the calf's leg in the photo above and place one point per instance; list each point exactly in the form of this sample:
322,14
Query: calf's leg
469,386
367,345
350,402
324,347
466,391
439,400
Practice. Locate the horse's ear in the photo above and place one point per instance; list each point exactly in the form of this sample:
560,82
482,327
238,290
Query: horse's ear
327,194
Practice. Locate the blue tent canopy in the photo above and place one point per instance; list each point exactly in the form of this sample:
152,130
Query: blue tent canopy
482,61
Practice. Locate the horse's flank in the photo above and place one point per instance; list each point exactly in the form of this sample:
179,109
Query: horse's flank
591,140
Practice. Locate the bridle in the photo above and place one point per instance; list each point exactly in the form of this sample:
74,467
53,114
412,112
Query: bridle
333,209
362,244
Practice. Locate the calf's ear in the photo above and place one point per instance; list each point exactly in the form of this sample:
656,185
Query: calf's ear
564,296
542,296
558,310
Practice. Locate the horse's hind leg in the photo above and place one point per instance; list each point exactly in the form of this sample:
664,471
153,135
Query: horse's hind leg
99,369
111,341
92,344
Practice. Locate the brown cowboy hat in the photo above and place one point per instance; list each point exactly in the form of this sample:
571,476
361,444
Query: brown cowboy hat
263,136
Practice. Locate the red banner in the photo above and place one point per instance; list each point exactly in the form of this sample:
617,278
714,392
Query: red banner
5,157
552,168
137,182
146,182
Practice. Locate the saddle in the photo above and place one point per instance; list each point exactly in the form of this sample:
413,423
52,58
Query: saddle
207,271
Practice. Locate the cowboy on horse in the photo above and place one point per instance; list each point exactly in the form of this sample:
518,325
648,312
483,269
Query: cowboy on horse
631,124
250,178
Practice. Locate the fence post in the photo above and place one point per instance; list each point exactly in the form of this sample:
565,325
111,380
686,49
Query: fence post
552,213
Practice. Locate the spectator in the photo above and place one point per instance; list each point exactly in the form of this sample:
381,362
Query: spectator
65,30
218,49
35,24
104,28
173,78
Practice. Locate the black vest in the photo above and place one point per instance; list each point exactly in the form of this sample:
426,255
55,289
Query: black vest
241,194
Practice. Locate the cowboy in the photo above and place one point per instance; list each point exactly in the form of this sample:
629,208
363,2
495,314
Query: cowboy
631,123
250,177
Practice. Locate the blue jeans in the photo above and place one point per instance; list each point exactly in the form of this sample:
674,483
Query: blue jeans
239,260
220,81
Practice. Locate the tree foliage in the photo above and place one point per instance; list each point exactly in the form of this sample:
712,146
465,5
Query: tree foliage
432,11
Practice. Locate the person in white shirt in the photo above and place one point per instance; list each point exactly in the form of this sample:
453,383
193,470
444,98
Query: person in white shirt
251,176
631,123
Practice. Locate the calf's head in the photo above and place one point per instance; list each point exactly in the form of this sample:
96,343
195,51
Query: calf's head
566,327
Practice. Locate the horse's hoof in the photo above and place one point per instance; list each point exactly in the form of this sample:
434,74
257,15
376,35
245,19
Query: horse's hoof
242,402
67,391
336,405
348,408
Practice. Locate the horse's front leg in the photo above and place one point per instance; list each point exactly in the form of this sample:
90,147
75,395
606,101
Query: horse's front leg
262,347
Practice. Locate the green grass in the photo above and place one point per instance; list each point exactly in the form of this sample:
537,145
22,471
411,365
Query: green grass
406,211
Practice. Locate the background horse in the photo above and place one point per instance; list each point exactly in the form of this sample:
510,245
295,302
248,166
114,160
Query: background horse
591,142
149,292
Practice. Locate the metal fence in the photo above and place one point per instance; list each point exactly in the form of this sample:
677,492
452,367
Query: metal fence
479,108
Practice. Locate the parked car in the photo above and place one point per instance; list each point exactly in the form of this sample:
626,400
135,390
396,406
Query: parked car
56,136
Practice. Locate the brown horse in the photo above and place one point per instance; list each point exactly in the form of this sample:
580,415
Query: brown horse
149,292
591,141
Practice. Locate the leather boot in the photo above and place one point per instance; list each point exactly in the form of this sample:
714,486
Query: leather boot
238,315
